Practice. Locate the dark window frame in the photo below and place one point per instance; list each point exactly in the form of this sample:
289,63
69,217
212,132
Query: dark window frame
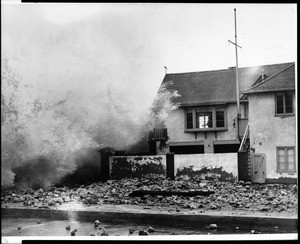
284,113
286,170
214,110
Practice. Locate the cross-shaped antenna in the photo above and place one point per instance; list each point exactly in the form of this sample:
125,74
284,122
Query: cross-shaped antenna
234,44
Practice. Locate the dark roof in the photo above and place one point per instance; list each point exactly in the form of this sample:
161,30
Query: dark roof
216,86
283,80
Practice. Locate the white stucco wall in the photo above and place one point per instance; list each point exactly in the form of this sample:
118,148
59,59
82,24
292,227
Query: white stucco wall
228,161
268,131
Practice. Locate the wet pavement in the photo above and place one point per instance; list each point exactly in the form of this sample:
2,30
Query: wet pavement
46,227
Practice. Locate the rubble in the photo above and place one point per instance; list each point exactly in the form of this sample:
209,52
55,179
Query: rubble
213,226
151,230
131,230
234,196
96,223
143,233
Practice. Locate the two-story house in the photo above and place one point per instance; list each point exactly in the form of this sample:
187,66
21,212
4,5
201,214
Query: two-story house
206,120
272,121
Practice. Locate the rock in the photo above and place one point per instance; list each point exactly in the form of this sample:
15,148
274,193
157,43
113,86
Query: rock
271,198
254,232
150,230
241,182
237,228
102,232
66,198
264,209
131,230
59,200
96,223
143,233
213,226
247,183
213,206
19,227
38,222
145,188
68,227
73,232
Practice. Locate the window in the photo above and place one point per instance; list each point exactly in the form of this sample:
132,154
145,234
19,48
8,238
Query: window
286,159
206,119
189,120
284,104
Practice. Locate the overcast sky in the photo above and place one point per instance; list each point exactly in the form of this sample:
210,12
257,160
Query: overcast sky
84,47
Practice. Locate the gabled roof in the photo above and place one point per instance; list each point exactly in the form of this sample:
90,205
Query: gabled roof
216,86
281,81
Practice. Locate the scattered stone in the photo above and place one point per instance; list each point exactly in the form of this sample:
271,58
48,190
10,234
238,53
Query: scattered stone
19,227
73,232
68,227
213,206
102,232
264,209
213,226
246,196
131,230
237,228
143,233
150,230
96,223
39,222
254,232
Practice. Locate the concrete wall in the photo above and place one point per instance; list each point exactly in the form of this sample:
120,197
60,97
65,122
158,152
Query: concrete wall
207,166
268,131
136,166
226,162
176,129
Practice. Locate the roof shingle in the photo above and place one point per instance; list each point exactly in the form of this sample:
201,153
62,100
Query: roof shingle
218,86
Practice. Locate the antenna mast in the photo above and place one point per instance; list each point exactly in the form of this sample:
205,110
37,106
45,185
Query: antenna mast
237,67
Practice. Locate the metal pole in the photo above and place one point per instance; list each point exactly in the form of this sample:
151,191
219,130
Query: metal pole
237,67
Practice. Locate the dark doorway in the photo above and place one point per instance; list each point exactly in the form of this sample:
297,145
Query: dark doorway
193,149
226,148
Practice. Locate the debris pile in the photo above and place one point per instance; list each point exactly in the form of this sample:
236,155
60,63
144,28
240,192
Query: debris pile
227,195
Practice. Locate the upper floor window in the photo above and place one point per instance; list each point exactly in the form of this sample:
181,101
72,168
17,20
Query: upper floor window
205,119
284,104
286,159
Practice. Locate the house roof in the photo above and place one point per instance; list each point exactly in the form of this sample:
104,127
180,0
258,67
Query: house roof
216,86
283,80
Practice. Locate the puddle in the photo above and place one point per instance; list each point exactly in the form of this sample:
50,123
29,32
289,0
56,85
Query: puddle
46,227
